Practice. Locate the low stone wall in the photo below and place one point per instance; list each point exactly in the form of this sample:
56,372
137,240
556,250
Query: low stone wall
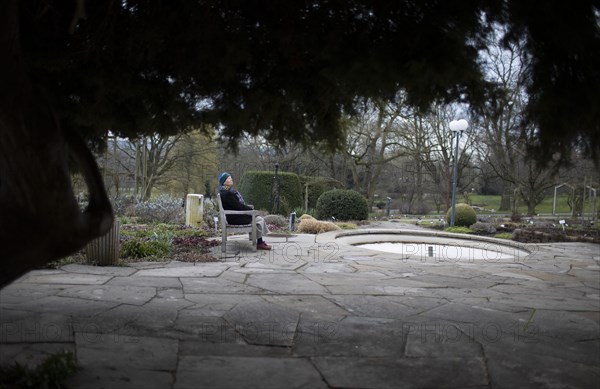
536,236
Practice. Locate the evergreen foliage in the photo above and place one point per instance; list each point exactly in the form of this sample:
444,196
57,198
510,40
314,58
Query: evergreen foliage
289,69
257,187
464,215
342,204
316,187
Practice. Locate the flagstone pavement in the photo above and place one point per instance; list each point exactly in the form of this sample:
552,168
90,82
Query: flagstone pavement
315,313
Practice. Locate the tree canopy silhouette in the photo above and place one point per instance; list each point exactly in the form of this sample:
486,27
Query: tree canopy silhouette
289,68
284,69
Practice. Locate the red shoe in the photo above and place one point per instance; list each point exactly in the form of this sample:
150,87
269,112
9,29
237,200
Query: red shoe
263,246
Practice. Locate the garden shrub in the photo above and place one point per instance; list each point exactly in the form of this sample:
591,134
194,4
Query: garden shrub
163,209
124,206
211,210
256,187
481,227
300,211
276,220
346,226
142,248
198,242
464,215
459,230
316,187
314,226
343,205
158,240
166,232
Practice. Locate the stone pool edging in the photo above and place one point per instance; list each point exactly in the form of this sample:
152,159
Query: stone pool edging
441,237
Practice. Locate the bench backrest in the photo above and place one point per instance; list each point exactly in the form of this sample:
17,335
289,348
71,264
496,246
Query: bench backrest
223,215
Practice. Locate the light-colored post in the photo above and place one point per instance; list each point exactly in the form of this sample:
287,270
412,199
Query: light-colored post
194,210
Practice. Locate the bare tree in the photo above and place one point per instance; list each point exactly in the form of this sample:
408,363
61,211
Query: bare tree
373,141
153,158
431,146
504,140
194,164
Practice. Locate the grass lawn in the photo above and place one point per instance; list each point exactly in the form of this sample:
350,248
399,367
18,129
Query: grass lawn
493,202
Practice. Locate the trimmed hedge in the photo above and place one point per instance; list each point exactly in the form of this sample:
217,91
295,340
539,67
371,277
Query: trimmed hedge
342,204
317,186
256,188
464,215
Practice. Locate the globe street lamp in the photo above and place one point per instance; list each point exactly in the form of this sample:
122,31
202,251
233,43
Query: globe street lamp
456,126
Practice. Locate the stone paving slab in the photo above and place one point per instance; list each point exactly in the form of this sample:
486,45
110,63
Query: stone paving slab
292,284
351,337
254,372
316,313
32,354
312,305
18,326
547,372
134,295
122,378
117,351
264,323
18,293
141,281
67,306
403,372
217,285
67,278
99,270
208,270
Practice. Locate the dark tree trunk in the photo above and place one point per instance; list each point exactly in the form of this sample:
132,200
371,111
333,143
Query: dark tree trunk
40,220
505,200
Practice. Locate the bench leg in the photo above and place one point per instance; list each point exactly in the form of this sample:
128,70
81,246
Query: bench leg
253,235
223,240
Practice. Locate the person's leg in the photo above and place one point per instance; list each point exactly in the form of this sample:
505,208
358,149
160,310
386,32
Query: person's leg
261,230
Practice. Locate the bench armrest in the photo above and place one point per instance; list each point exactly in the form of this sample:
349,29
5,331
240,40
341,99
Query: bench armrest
249,212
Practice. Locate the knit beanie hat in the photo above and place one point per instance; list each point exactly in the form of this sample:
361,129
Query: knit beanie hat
223,177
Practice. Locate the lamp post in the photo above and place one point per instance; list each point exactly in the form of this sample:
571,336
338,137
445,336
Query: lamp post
275,191
457,127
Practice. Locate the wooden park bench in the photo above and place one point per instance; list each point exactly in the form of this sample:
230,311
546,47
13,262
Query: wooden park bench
227,228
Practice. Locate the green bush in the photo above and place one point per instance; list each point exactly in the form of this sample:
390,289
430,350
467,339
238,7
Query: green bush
141,248
316,187
157,240
276,220
346,226
343,205
459,230
256,187
464,215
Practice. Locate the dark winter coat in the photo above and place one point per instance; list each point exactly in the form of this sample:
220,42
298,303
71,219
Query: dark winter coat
232,200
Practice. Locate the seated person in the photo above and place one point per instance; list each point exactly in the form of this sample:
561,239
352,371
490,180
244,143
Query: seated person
232,200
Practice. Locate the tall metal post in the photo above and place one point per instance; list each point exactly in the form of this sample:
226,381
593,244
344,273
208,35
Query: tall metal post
454,180
275,191
456,126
